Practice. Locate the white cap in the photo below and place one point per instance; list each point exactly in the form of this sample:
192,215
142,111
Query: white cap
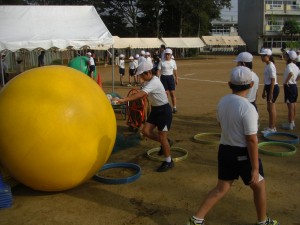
147,53
241,75
89,53
131,57
244,57
144,67
122,56
292,54
172,57
266,51
143,52
137,55
168,51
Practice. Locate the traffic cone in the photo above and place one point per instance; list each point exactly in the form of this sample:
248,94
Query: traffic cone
99,80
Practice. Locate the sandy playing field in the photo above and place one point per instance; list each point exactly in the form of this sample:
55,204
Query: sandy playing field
171,198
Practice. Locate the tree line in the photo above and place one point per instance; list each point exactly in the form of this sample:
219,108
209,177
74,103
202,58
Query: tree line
148,18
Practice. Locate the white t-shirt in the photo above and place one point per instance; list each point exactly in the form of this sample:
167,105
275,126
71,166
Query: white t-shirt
122,63
298,58
291,68
91,61
155,91
132,65
253,91
149,59
269,73
167,67
141,59
238,117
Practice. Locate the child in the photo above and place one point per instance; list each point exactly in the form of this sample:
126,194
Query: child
290,88
136,62
271,88
238,149
132,69
121,65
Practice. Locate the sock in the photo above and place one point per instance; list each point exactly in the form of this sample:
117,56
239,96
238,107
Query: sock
293,123
261,222
168,159
197,220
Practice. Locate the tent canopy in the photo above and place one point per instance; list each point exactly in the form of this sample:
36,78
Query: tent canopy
223,40
143,42
62,27
184,42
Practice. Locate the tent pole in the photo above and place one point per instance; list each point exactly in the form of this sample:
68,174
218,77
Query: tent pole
113,69
2,73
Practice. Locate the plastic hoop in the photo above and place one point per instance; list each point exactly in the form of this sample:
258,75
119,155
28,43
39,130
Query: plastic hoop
125,180
292,149
200,138
295,140
155,157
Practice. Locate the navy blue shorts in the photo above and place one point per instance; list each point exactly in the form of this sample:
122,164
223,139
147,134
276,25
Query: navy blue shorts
275,92
168,82
122,71
290,93
91,68
234,162
131,72
161,117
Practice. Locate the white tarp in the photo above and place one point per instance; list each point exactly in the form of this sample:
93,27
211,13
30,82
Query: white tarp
143,42
223,40
184,42
120,42
31,27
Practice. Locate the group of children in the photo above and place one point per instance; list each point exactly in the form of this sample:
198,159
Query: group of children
237,115
133,80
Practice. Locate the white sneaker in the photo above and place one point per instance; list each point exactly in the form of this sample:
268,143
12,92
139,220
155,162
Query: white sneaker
287,126
293,123
269,130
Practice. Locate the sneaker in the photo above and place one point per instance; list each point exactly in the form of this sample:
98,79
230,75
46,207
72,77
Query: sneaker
128,85
174,110
287,126
293,123
161,151
269,222
269,130
165,166
192,221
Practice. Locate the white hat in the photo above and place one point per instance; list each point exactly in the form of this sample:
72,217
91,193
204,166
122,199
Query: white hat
266,51
241,75
168,51
147,53
89,53
122,56
292,54
143,52
137,56
244,57
131,57
144,67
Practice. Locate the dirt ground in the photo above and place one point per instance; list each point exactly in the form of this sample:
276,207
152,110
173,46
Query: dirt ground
171,198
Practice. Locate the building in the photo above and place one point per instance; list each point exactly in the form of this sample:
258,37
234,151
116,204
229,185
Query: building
260,23
227,24
222,27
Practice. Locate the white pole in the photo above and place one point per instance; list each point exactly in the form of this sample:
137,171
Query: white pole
113,69
2,72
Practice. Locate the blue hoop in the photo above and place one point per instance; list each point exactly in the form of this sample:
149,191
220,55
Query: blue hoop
125,180
295,139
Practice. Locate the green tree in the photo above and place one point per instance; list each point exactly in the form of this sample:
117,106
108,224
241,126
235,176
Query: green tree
291,27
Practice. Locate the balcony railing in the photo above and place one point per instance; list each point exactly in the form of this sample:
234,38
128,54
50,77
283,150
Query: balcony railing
273,28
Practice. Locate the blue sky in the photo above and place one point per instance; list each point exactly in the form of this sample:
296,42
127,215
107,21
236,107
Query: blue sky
232,13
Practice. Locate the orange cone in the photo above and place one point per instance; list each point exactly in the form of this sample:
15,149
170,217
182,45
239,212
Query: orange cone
99,80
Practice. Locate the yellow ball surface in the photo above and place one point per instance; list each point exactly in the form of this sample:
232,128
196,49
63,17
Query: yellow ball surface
57,128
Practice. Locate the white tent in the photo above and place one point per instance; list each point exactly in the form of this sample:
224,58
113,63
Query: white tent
31,27
60,27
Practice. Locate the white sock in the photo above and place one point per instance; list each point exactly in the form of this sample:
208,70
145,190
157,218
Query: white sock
168,159
197,220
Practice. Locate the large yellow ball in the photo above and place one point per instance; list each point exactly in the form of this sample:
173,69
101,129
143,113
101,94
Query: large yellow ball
57,128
